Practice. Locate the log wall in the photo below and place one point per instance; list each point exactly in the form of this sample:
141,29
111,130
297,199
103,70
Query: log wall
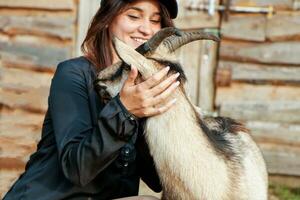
258,79
257,76
34,37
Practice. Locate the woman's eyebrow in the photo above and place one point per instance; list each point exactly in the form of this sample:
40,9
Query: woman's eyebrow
141,10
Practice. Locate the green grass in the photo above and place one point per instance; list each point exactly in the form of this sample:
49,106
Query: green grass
285,193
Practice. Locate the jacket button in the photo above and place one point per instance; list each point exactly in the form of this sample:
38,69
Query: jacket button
125,164
127,151
131,118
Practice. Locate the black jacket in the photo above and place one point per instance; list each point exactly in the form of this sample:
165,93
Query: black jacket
88,150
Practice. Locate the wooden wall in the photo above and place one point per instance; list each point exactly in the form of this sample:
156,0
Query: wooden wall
258,79
257,76
34,37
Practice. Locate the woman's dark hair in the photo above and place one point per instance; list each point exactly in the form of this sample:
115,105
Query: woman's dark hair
96,46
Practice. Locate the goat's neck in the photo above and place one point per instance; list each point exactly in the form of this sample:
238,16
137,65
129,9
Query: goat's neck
179,116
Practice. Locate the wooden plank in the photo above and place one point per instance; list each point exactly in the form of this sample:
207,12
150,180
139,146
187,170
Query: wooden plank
34,100
263,93
283,26
275,132
281,159
87,10
278,4
245,27
21,125
275,111
12,148
8,177
296,5
258,72
55,26
44,56
27,80
25,133
189,57
193,19
289,181
40,4
271,53
201,20
207,71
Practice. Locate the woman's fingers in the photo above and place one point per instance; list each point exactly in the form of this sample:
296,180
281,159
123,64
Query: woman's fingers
152,110
165,94
156,90
155,79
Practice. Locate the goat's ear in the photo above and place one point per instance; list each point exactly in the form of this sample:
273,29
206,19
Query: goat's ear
131,57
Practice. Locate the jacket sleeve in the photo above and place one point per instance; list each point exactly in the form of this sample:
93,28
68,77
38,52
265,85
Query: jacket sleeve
84,150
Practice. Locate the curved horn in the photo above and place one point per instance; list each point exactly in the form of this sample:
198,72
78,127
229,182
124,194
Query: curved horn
174,42
156,39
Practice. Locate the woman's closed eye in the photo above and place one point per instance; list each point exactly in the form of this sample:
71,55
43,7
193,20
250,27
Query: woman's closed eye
155,21
133,17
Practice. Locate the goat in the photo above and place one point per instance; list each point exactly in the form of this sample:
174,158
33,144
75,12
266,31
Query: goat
196,157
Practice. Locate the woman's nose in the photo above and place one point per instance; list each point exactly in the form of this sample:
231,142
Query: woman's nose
146,28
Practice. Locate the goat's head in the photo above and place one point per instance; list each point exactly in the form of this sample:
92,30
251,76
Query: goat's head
149,58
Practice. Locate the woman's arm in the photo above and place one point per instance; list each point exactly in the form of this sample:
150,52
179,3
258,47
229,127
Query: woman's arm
84,150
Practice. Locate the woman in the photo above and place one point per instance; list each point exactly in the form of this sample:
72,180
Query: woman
92,150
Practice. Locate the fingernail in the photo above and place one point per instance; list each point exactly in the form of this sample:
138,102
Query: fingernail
177,83
173,101
177,74
167,68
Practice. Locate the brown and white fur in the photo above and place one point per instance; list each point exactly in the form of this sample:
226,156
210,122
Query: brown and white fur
197,158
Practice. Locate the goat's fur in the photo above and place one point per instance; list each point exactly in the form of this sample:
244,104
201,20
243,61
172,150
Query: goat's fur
196,157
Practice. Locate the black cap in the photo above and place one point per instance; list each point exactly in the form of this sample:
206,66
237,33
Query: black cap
171,6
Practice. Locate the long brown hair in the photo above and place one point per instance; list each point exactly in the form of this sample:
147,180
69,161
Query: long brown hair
96,46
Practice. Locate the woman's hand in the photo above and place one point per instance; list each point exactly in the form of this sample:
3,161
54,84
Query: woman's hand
148,98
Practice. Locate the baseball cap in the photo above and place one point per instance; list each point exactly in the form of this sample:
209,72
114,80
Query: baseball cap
171,6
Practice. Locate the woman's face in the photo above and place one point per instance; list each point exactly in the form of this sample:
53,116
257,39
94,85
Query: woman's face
137,23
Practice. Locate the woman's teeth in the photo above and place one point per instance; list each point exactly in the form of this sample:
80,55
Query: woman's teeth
139,40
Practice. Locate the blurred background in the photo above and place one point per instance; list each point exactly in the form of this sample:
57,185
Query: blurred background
252,75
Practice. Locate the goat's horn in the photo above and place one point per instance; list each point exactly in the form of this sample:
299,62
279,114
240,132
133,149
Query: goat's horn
174,42
155,41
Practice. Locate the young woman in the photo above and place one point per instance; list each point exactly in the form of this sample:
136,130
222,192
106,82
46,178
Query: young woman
92,150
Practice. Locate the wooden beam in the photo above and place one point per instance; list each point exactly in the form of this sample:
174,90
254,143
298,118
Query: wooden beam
278,4
39,55
281,159
249,92
34,100
200,20
40,4
189,57
207,72
283,26
259,72
86,10
245,27
276,111
51,26
275,132
270,53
